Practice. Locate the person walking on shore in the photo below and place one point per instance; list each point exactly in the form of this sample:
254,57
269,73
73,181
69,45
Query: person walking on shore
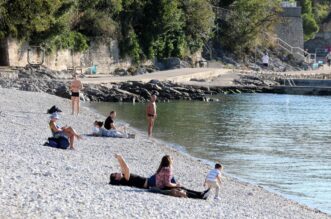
75,87
213,179
151,114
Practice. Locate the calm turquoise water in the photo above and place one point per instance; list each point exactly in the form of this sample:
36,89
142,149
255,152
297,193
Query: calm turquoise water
281,142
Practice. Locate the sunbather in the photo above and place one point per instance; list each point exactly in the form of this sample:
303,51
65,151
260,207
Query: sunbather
98,130
126,178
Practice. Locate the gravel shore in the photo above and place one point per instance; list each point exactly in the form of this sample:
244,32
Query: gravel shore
43,182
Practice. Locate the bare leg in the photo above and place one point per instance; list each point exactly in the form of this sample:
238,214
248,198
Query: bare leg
71,132
78,105
71,141
150,125
73,105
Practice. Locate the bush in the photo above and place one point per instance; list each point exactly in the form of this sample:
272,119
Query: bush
310,26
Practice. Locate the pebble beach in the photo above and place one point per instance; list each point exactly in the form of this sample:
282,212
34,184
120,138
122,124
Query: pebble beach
42,182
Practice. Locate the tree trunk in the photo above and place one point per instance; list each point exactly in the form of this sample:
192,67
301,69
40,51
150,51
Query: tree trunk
4,56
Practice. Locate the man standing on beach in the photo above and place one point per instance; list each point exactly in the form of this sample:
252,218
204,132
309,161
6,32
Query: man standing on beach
151,114
75,87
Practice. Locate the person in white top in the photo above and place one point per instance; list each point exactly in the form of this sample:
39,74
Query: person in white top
328,58
213,179
265,60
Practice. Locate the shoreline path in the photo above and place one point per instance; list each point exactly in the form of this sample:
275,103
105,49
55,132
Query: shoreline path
43,182
184,76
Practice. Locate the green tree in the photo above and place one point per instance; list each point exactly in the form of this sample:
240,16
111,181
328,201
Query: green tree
247,22
166,32
30,19
321,10
199,22
310,26
165,28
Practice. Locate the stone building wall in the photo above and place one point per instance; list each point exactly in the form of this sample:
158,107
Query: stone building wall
105,57
290,27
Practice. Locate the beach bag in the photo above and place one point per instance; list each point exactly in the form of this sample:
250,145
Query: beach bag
60,142
52,142
63,143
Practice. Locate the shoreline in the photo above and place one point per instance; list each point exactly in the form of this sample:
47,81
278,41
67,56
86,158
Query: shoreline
42,182
178,84
181,149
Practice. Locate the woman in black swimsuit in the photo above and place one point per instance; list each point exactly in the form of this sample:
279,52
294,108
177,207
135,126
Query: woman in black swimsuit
125,178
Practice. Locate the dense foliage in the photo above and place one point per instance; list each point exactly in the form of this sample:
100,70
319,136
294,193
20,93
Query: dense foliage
145,28
164,28
313,13
247,21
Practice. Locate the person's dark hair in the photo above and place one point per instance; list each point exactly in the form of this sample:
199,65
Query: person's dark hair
99,123
154,93
112,112
112,180
218,166
165,162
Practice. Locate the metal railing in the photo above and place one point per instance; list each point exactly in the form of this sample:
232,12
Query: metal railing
306,56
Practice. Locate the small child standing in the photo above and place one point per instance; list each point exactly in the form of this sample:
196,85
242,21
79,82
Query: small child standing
213,179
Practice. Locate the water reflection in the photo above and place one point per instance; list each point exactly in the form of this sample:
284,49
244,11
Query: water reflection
279,141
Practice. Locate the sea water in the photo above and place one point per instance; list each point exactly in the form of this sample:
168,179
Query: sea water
282,142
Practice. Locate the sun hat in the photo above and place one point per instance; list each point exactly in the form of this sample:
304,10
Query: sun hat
54,109
55,116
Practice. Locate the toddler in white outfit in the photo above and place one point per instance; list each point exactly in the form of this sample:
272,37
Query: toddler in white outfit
213,179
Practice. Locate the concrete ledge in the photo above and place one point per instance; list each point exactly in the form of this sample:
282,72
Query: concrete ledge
177,75
300,90
8,72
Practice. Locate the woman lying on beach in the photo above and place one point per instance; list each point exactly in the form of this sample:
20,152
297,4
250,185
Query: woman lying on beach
98,130
65,131
162,182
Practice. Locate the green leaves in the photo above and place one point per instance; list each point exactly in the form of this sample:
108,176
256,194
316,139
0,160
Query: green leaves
247,21
145,28
310,26
167,28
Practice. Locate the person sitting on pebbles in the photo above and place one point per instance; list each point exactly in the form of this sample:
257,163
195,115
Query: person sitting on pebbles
65,131
109,123
98,130
162,182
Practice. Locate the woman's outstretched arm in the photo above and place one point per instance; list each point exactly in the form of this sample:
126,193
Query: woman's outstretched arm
124,167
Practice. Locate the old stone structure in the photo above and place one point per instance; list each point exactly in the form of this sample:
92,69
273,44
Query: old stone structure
290,28
104,56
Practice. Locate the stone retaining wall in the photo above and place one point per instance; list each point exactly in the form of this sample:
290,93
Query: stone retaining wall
105,57
290,28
